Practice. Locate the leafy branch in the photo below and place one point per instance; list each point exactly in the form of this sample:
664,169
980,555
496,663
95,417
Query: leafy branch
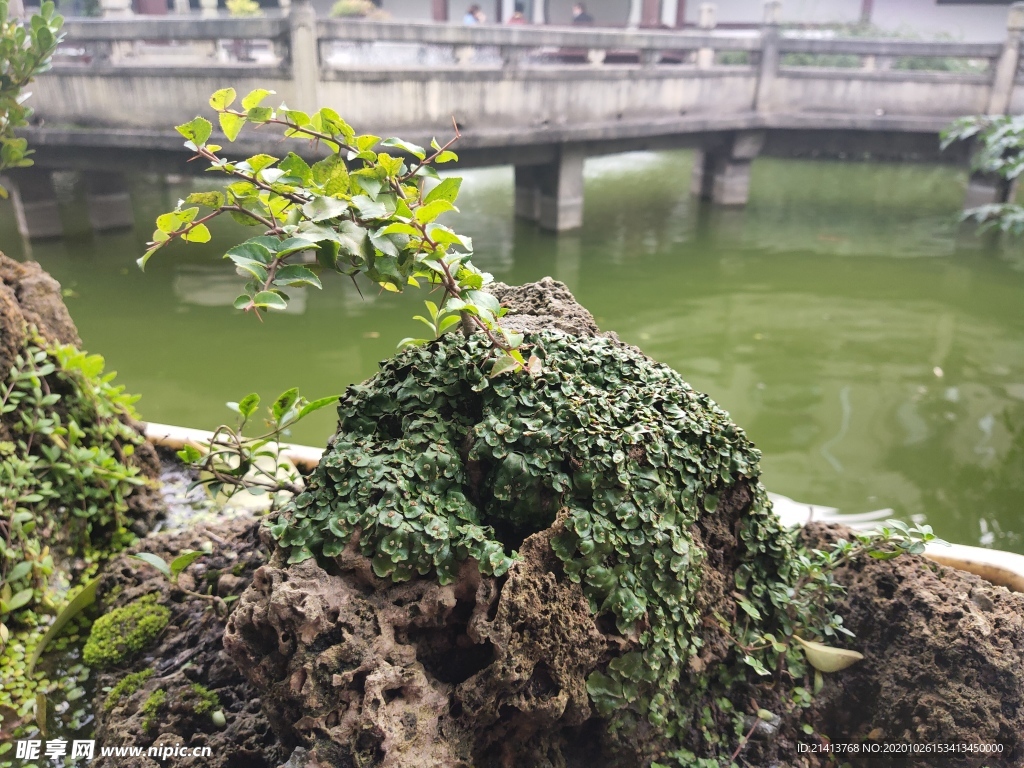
999,151
358,211
25,51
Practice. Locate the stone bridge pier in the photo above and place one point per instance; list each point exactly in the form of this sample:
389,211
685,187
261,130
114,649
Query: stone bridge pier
552,194
722,174
37,209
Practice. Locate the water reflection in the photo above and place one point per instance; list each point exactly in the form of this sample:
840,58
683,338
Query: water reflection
211,285
874,359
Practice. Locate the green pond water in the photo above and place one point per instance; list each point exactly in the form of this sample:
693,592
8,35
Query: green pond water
875,355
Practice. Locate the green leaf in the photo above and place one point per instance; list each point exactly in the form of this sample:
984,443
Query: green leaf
155,560
259,114
332,174
209,199
400,228
21,570
20,599
250,267
297,117
196,131
270,300
408,341
259,162
296,274
247,405
369,209
316,405
222,99
200,233
353,240
184,560
430,211
255,98
294,245
231,124
82,600
485,300
323,208
284,402
295,166
503,364
367,142
405,146
251,249
446,190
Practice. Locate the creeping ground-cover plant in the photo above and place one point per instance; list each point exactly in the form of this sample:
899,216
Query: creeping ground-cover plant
66,473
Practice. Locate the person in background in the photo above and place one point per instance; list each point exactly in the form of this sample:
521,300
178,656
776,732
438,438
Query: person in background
474,15
518,16
580,15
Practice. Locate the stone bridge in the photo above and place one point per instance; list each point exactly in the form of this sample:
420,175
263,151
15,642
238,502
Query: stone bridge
539,98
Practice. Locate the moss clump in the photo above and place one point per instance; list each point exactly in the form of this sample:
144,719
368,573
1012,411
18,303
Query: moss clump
435,462
150,707
125,631
207,699
126,686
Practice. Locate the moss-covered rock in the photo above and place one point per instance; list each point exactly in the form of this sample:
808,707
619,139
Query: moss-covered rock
125,687
649,490
151,707
205,699
122,633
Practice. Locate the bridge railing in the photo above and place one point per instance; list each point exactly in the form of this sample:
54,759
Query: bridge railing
347,44
506,78
882,55
162,42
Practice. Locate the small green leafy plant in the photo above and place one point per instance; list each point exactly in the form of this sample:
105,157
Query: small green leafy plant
808,614
173,570
365,209
25,51
231,462
66,472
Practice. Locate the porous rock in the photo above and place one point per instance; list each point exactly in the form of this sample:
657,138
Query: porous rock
187,654
544,305
943,662
486,671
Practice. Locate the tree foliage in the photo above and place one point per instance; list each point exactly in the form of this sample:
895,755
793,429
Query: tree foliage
25,51
999,142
